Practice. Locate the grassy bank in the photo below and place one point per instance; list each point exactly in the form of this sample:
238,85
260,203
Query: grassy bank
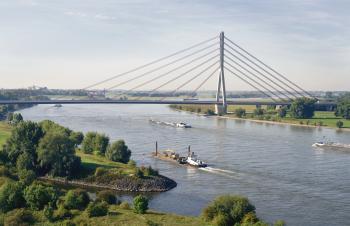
5,130
321,118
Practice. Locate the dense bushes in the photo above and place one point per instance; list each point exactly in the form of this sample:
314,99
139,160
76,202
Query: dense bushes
37,196
240,112
106,196
228,210
19,217
118,152
76,199
11,196
95,143
343,106
97,209
140,204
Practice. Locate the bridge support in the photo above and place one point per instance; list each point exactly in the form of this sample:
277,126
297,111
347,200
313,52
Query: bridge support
221,109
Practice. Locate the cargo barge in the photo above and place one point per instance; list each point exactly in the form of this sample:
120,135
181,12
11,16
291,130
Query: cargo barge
171,156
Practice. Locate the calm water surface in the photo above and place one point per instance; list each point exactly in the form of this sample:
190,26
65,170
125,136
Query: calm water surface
274,165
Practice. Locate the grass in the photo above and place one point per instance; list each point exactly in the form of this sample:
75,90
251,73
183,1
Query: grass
5,131
123,217
91,162
327,118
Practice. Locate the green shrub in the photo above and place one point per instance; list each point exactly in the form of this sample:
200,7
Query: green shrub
240,112
4,172
95,143
97,209
258,112
106,196
48,213
124,205
221,220
140,204
250,218
118,152
19,217
340,124
282,112
37,196
76,199
149,171
210,112
229,209
62,213
138,173
11,196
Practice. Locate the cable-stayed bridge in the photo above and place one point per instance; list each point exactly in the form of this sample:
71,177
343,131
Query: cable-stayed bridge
215,58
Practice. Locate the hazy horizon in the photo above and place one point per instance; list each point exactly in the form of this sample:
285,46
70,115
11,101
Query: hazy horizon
72,45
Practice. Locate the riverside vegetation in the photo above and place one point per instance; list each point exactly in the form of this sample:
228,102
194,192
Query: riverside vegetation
302,112
32,150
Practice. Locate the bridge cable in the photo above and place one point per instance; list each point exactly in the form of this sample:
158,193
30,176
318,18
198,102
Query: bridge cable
270,91
170,63
183,74
275,83
205,80
191,79
168,72
263,71
251,84
277,73
150,63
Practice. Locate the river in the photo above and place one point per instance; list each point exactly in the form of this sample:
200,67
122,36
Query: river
273,165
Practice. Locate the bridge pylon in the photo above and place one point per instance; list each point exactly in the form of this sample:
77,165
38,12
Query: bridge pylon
221,109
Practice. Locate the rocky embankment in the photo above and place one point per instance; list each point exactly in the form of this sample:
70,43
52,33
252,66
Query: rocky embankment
120,183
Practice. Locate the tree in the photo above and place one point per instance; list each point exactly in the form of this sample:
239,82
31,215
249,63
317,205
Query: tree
106,196
343,107
140,204
230,209
37,196
95,143
282,112
340,124
303,108
25,161
77,138
118,152
24,139
76,199
16,118
11,196
97,209
240,112
50,126
56,155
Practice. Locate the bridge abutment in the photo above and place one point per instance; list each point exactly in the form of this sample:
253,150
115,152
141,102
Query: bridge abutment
220,109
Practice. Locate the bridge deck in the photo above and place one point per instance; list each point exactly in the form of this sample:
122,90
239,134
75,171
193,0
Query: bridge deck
198,102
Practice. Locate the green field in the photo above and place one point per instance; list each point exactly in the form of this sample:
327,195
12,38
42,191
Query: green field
5,130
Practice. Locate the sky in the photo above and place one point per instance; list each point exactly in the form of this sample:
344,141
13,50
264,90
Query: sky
72,44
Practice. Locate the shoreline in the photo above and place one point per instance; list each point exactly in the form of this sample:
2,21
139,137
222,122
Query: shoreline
265,121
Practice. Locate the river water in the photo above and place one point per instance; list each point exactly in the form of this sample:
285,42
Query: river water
274,165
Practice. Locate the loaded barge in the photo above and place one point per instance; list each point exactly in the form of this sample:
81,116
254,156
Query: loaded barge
170,155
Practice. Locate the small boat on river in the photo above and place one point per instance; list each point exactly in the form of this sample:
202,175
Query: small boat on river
173,124
331,145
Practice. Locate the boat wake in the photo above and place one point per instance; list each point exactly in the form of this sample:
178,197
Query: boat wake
223,172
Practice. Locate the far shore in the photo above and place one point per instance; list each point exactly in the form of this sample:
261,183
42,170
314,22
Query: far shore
264,121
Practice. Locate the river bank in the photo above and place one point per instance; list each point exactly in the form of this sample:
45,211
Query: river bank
309,123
